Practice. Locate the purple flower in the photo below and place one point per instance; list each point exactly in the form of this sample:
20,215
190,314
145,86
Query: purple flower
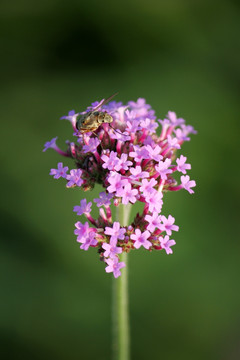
95,104
121,136
181,136
166,244
163,168
123,163
137,173
188,129
74,178
104,199
72,117
154,221
91,146
120,116
139,153
69,116
116,231
87,241
81,230
147,187
140,108
114,266
114,105
132,124
86,235
111,250
181,166
117,183
50,144
154,153
148,141
128,194
173,142
167,224
60,171
187,183
155,201
174,120
149,124
111,161
84,208
141,239
165,123
130,115
139,104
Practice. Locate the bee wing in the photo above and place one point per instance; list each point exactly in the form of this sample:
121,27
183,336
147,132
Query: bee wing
105,101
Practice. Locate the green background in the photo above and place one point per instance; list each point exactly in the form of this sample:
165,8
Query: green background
180,55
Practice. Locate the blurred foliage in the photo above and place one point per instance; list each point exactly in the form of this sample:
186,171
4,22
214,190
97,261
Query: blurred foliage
181,56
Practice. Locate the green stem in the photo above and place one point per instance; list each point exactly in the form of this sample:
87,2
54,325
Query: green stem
121,334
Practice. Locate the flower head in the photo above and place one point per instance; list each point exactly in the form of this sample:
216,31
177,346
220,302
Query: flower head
133,164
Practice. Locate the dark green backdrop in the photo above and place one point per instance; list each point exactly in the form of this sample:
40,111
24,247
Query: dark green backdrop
181,56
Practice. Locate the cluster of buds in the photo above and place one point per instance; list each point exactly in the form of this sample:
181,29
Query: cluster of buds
132,163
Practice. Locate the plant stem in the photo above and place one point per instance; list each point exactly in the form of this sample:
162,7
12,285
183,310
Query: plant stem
121,334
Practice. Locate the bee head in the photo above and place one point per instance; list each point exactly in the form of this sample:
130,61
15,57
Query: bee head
108,118
103,117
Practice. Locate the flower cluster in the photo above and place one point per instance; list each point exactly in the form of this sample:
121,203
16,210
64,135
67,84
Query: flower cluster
133,164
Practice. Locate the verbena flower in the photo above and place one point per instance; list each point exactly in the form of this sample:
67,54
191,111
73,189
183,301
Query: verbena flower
133,164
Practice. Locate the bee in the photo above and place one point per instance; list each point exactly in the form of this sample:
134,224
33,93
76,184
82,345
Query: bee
91,121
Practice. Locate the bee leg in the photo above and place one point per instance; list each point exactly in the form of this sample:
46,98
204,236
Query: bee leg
116,130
